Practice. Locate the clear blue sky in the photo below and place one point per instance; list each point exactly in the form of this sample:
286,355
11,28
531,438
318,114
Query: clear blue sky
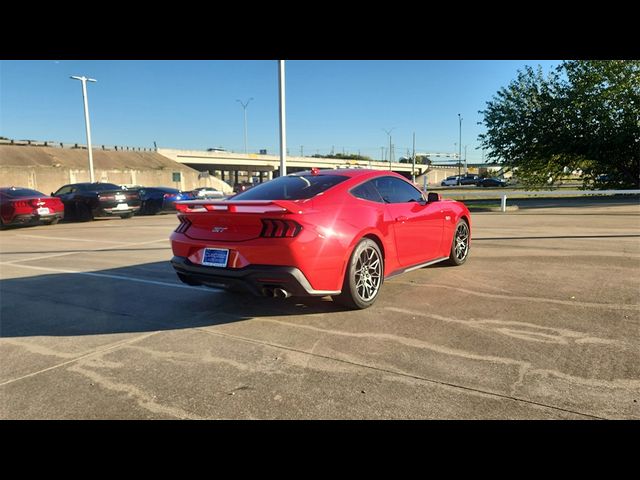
192,104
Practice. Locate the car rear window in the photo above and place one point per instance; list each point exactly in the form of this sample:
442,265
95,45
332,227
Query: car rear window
99,187
23,192
294,187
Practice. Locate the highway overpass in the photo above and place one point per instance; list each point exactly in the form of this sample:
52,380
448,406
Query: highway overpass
234,167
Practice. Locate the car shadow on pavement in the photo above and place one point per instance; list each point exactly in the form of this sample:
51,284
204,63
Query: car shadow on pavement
138,298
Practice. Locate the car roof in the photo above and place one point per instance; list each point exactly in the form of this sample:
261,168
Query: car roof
348,172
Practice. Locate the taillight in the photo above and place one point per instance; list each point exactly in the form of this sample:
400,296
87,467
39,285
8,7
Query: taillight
106,198
272,228
20,203
184,225
35,203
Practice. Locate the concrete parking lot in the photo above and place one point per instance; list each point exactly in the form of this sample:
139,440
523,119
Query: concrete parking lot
542,322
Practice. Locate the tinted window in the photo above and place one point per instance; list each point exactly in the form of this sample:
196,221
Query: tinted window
98,187
294,187
63,191
23,192
367,191
394,190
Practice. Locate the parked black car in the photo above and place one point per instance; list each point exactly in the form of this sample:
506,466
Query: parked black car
84,201
492,182
161,199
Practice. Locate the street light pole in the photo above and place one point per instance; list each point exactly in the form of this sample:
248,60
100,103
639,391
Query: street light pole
459,149
466,171
244,107
388,132
84,81
283,127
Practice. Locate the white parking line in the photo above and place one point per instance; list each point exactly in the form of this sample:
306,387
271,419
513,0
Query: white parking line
45,237
14,262
116,277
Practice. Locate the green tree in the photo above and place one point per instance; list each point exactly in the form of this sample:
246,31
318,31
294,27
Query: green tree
583,116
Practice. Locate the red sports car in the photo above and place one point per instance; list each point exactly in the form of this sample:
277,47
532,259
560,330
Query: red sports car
319,232
23,205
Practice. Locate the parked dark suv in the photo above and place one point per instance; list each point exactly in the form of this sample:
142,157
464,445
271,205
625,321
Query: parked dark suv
84,201
469,180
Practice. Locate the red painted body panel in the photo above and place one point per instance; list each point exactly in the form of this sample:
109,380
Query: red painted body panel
24,208
332,224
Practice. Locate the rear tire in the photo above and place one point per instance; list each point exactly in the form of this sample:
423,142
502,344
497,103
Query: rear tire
460,244
363,277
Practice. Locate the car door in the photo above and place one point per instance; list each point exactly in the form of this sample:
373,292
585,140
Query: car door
417,225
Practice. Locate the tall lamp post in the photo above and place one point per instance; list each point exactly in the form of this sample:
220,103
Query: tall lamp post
459,149
244,107
84,81
283,122
388,132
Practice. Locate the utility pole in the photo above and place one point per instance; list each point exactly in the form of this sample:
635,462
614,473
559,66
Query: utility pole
413,158
244,107
283,126
382,154
302,150
388,132
87,124
459,149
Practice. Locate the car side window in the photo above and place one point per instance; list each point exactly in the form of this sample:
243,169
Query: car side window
63,191
367,191
394,190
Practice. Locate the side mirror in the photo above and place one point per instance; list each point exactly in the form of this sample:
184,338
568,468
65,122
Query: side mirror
51,194
433,197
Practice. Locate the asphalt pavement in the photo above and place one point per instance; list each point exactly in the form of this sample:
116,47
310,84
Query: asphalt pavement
542,322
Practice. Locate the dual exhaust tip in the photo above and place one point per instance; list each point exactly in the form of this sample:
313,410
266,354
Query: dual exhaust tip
275,292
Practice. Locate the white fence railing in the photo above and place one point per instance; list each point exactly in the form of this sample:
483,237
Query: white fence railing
537,193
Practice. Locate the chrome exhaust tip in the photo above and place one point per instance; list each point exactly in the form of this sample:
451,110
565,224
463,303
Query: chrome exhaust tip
281,293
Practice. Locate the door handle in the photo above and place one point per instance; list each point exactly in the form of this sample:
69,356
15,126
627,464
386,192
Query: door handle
401,219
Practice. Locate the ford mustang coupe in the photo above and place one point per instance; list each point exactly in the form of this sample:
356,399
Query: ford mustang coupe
320,232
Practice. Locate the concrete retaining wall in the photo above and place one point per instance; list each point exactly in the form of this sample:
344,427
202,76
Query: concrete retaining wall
46,169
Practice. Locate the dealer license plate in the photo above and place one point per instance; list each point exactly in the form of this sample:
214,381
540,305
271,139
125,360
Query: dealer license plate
43,211
122,206
215,257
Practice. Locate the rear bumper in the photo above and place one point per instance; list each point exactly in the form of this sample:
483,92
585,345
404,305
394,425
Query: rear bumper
32,218
110,211
253,278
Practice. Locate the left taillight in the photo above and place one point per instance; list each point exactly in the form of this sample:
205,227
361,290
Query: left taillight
184,224
276,228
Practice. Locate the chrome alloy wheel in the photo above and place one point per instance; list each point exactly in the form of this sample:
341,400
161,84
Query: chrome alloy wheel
461,241
368,273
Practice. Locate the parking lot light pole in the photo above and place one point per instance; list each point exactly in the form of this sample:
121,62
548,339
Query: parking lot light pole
459,149
84,81
283,123
244,107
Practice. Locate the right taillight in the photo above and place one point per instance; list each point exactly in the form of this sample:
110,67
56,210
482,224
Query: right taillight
184,225
272,228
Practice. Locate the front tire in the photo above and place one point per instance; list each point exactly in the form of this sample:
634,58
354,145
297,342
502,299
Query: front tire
364,276
460,244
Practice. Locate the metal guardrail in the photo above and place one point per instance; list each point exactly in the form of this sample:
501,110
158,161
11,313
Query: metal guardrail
538,193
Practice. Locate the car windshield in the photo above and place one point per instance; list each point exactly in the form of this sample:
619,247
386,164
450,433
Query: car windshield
292,187
22,192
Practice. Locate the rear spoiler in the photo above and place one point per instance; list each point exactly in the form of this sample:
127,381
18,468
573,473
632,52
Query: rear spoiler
239,206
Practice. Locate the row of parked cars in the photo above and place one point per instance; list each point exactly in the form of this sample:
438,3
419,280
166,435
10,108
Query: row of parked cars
473,180
84,201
